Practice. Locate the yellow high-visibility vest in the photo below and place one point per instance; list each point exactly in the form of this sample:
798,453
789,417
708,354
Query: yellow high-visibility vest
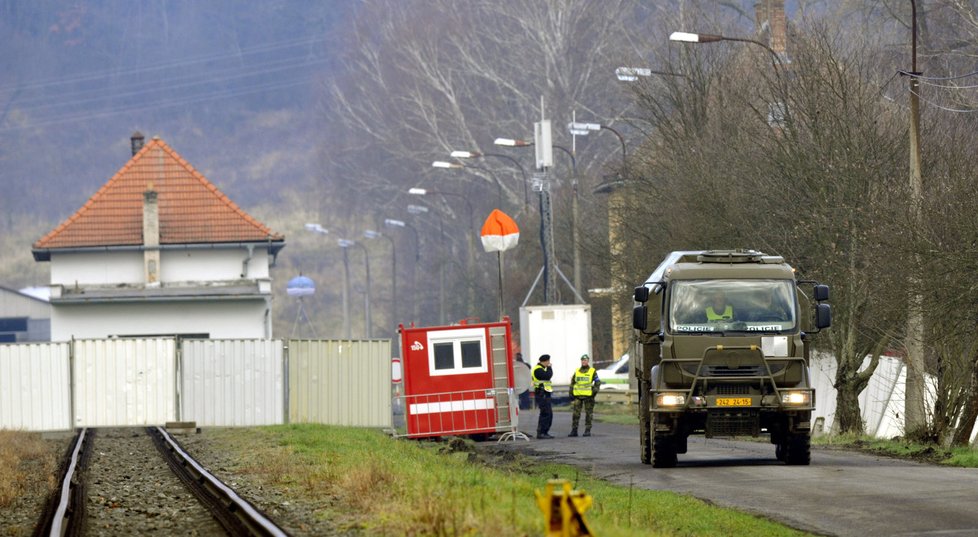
712,316
583,382
546,384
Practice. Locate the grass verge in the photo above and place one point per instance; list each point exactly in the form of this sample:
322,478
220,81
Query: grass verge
24,459
964,457
383,486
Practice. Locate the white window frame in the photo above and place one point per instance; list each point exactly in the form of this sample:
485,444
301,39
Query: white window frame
456,337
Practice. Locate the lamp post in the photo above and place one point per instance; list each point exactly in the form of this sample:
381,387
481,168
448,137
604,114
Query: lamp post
316,228
686,37
371,234
619,308
476,154
346,244
394,223
455,166
418,210
779,111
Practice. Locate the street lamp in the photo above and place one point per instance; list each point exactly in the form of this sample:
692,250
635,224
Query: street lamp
316,228
583,129
619,309
371,234
346,244
631,74
455,166
476,154
394,223
417,191
778,110
417,210
686,37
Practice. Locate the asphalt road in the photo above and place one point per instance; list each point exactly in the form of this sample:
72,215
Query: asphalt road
842,493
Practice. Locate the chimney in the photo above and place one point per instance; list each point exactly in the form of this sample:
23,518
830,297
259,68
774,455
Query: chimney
769,14
151,236
137,142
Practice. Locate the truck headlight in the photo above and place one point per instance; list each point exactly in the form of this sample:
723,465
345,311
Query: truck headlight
796,398
670,399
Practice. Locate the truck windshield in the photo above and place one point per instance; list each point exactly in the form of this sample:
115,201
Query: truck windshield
732,306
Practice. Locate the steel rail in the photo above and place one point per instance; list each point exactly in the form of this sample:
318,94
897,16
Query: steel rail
66,510
232,511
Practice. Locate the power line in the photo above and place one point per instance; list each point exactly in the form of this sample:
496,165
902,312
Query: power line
158,104
96,75
921,77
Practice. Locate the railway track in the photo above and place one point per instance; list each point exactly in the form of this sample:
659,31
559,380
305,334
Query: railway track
112,482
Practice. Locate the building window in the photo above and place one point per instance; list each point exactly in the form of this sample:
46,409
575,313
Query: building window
457,352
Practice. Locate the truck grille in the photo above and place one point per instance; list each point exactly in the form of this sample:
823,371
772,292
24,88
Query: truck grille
724,371
730,389
727,423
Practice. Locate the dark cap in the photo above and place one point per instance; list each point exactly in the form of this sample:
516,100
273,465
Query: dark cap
585,357
545,358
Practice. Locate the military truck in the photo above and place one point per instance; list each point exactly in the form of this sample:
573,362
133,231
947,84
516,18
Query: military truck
723,340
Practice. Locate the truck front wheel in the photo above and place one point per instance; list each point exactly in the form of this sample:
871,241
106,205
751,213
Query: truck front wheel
797,449
664,451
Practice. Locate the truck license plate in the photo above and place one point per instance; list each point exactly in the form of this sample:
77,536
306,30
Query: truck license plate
733,401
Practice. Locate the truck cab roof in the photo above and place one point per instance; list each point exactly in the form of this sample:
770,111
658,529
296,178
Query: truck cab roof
703,264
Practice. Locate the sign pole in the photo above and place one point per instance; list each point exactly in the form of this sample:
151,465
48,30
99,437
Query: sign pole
499,262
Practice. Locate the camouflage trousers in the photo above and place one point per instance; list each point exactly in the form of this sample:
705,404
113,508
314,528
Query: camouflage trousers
588,404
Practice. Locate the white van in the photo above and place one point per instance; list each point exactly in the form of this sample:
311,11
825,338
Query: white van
615,376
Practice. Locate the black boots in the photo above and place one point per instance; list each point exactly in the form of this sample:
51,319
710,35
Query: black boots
574,433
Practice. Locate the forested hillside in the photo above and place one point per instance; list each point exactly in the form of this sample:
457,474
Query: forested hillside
233,90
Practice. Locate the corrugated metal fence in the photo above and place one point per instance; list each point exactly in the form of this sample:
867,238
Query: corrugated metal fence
135,382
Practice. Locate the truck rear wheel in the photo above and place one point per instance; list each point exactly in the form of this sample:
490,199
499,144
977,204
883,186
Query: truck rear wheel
644,422
798,450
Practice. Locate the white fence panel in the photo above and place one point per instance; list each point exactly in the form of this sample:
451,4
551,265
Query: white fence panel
881,403
124,382
35,391
233,382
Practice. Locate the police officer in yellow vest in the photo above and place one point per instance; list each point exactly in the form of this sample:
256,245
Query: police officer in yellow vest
585,385
543,389
719,310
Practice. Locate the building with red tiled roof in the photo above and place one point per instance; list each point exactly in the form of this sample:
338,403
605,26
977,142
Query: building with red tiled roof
159,250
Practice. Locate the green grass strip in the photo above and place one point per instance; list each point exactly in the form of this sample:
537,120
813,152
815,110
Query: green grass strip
388,486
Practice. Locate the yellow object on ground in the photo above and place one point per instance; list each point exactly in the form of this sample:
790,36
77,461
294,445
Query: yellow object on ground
563,510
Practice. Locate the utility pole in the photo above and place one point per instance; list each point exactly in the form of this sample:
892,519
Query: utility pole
544,160
914,412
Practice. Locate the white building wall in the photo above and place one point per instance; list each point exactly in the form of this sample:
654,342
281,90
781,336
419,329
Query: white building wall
214,265
176,265
96,268
227,319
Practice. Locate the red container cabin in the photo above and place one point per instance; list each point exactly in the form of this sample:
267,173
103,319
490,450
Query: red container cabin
458,379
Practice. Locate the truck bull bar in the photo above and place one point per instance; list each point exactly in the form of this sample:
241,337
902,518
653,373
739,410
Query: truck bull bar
698,377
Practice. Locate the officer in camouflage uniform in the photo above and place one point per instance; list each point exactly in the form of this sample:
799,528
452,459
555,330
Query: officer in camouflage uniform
584,386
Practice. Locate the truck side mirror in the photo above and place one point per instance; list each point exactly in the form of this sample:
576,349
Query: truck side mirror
821,292
640,317
642,294
823,315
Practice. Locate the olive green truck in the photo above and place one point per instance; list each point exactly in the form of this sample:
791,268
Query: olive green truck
723,342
